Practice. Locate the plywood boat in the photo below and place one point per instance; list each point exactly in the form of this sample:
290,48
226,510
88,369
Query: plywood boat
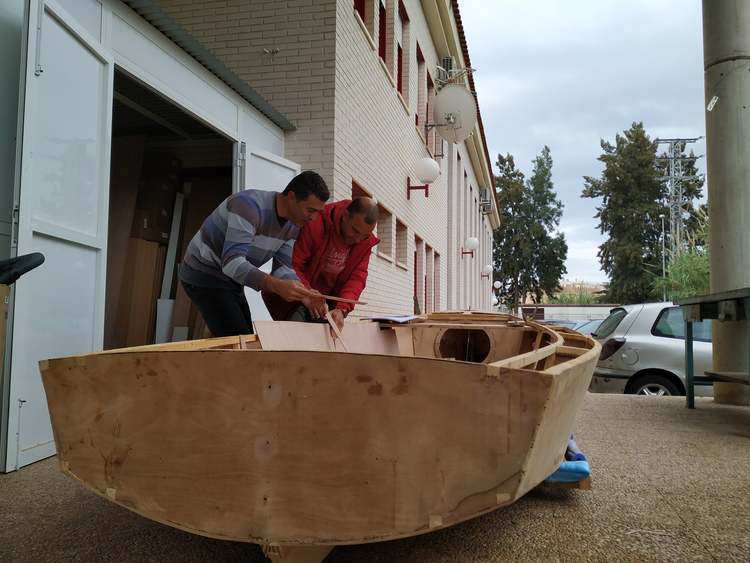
287,441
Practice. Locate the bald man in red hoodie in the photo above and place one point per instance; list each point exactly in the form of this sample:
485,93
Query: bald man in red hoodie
331,255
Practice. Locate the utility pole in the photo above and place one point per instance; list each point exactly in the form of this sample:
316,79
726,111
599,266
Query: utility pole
726,58
674,179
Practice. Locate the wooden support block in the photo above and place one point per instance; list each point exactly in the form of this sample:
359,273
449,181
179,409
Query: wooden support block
297,554
584,484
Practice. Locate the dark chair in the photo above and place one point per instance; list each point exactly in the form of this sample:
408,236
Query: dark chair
11,270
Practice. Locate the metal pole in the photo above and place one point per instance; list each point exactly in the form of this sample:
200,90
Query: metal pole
726,54
689,367
663,261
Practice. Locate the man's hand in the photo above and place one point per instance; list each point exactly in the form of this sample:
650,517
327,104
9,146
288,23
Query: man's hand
338,317
317,307
289,290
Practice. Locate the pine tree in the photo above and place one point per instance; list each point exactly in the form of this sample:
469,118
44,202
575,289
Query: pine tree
633,195
550,251
511,248
529,258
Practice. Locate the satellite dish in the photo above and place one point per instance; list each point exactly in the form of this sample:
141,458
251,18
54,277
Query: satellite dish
455,112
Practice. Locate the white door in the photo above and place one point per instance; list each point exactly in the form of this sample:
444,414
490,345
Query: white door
64,193
265,171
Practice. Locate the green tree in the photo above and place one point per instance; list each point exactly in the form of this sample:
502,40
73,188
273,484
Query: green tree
632,197
687,274
529,258
511,248
549,248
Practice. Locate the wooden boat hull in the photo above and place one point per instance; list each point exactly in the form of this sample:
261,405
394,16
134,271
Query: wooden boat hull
307,447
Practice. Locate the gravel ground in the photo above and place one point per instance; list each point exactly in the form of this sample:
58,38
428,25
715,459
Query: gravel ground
668,484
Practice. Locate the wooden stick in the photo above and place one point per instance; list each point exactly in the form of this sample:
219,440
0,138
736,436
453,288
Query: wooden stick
342,300
336,330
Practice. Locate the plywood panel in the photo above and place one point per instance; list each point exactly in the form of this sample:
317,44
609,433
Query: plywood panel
361,337
142,297
127,159
294,447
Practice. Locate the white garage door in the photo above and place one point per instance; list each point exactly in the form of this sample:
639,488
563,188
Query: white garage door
58,309
63,214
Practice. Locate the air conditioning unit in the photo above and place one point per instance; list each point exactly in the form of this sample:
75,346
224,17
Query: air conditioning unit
485,203
445,70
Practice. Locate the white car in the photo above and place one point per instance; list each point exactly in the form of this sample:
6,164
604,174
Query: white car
643,351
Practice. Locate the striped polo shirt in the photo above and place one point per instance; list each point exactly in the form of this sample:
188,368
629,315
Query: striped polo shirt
241,235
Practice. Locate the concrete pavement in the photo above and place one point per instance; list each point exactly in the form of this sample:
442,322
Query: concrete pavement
668,484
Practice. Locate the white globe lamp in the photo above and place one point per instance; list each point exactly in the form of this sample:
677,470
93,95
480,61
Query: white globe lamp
427,171
471,244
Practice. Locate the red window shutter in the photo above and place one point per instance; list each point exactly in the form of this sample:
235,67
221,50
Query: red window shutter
359,5
415,282
381,32
430,88
400,80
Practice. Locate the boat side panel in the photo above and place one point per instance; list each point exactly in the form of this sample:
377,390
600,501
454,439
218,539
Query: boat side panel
294,447
571,381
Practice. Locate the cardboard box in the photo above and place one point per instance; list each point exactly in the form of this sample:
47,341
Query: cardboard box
156,192
152,225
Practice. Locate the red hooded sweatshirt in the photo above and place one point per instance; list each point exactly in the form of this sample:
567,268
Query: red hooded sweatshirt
311,248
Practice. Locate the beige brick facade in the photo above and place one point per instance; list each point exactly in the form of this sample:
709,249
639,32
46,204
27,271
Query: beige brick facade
318,63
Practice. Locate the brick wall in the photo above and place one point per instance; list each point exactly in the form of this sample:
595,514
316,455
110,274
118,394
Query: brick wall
377,144
295,74
352,125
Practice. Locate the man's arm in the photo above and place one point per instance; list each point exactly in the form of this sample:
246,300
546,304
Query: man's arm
355,285
242,217
303,253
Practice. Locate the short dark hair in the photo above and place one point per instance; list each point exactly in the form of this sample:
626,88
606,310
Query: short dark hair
359,205
307,183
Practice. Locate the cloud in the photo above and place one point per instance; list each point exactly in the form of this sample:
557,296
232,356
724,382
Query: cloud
567,75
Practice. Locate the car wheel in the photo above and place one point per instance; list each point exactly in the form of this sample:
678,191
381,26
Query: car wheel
654,386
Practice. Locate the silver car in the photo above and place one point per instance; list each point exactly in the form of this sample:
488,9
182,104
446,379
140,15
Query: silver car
587,327
643,351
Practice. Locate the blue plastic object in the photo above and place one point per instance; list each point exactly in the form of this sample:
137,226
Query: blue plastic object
570,472
575,468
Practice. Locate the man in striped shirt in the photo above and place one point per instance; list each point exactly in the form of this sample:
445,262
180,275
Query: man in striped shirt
247,230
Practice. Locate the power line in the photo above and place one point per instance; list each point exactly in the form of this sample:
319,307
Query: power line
675,180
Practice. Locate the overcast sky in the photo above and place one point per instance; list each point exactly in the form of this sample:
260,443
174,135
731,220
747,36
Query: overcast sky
567,74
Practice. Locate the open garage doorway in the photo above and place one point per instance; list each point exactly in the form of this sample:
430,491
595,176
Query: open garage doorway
168,172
